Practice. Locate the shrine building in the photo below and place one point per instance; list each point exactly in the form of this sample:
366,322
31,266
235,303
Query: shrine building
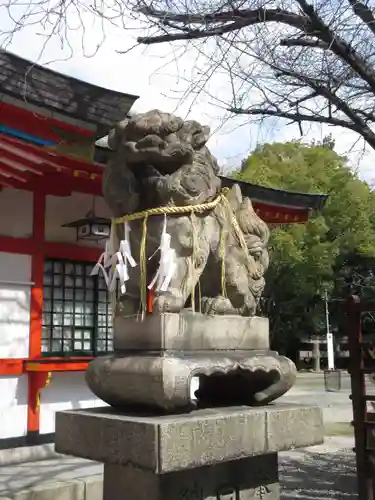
54,317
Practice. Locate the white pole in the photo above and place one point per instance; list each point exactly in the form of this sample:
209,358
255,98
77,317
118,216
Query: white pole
330,351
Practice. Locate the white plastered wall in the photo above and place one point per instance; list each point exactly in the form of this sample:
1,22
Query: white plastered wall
16,213
13,406
15,291
67,391
62,210
14,340
16,220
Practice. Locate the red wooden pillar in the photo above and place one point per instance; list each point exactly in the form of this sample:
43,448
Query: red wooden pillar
36,305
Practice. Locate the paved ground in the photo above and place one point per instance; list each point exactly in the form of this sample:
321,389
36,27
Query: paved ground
336,406
317,473
320,472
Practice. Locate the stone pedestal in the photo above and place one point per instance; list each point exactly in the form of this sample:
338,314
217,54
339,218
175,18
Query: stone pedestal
226,453
155,360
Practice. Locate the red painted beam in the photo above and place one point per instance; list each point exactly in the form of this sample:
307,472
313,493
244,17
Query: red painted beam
280,215
10,366
52,249
52,183
68,365
11,183
18,366
13,173
55,184
29,122
73,252
18,151
16,156
27,246
53,157
40,160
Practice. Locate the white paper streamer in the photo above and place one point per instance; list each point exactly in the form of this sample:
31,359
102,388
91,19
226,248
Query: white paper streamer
167,263
104,261
116,261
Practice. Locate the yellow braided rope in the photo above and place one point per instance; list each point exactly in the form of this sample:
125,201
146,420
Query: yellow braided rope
173,210
199,295
189,209
193,258
143,267
222,255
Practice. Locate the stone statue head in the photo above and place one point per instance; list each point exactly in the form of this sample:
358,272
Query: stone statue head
159,139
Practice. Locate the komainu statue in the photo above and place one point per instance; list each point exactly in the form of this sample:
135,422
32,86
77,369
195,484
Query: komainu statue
200,253
162,161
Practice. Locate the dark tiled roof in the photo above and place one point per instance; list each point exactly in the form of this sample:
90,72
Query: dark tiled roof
21,79
278,196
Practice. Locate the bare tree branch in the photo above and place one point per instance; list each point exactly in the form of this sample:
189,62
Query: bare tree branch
298,60
237,20
364,13
294,117
304,43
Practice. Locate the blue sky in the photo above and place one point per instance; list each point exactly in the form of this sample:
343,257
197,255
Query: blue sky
160,76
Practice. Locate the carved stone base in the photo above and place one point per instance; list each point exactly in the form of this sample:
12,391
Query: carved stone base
162,379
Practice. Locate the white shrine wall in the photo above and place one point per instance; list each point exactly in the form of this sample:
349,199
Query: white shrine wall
16,213
66,391
16,220
13,406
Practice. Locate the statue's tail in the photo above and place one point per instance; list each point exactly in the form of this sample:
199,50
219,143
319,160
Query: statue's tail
253,227
255,231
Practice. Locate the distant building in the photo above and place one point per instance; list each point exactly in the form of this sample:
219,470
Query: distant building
310,347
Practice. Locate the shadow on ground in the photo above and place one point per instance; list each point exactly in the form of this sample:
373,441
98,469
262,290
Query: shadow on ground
20,477
318,476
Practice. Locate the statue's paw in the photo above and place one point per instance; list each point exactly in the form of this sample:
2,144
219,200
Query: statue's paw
217,305
168,302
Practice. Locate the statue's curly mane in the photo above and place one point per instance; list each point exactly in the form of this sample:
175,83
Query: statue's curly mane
159,159
161,139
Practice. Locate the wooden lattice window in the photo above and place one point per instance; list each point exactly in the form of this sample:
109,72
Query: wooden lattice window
76,311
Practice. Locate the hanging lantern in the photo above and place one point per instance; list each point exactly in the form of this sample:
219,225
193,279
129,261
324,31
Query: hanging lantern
91,228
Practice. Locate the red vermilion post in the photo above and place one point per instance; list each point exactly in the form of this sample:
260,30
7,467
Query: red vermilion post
36,306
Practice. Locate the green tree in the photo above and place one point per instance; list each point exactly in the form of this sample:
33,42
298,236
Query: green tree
307,259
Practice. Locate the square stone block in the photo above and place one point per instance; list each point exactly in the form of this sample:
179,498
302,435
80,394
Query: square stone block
170,443
190,331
